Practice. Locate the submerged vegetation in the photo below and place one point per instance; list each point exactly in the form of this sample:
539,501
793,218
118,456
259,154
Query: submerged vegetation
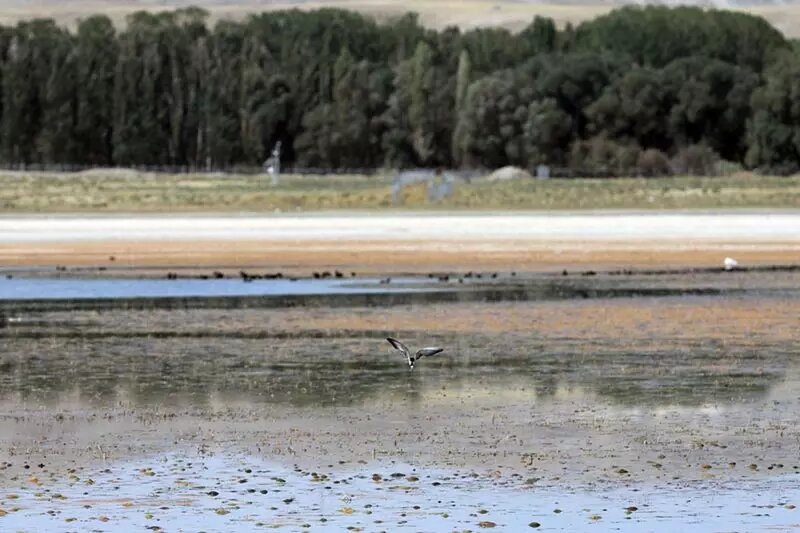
651,90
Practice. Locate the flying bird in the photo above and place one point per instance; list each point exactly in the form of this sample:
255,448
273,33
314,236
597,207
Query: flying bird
424,352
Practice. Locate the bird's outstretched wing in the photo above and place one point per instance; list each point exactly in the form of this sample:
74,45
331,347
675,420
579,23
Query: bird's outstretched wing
427,352
402,348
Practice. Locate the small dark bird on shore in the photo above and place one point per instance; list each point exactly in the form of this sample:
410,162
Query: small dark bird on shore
424,352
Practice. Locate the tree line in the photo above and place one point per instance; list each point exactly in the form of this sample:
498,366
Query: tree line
644,88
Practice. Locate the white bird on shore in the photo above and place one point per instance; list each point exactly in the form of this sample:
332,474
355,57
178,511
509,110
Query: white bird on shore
5,320
424,352
730,263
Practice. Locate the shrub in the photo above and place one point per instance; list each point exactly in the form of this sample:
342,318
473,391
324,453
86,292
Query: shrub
600,156
696,160
652,163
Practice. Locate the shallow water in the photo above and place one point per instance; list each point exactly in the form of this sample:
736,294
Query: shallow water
222,493
75,288
685,407
630,351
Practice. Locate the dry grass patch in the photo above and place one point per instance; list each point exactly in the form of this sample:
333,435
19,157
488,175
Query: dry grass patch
128,191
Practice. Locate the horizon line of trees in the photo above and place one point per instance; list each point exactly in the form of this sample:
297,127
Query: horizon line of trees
639,88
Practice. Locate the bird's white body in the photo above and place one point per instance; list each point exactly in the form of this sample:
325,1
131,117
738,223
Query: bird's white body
424,352
730,263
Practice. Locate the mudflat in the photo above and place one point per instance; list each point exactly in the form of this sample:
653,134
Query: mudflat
571,392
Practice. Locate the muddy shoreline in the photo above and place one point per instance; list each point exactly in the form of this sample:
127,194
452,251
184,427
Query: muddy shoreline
574,392
589,378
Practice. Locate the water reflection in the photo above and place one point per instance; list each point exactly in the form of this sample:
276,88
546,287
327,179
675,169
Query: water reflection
537,337
353,368
78,289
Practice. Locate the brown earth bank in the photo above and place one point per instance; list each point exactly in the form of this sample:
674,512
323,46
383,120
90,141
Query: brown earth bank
379,257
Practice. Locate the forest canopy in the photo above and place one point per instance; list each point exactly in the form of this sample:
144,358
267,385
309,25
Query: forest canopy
641,88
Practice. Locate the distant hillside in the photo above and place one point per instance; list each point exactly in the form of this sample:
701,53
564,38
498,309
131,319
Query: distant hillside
513,14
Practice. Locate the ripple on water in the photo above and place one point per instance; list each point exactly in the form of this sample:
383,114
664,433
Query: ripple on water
224,493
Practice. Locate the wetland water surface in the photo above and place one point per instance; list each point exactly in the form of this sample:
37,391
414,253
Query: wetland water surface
686,408
76,288
225,494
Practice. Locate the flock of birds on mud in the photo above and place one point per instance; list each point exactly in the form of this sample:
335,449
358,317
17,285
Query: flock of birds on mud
325,274
728,265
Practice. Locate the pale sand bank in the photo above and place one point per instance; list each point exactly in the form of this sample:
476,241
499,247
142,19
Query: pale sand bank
403,243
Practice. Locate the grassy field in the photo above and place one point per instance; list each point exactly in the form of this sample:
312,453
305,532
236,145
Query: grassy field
128,191
512,14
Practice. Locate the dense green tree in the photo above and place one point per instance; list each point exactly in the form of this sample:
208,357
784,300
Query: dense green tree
31,74
658,35
56,139
463,78
185,36
419,114
574,82
540,36
634,108
141,111
548,133
774,128
96,56
631,88
421,84
338,132
256,105
711,101
491,49
490,131
222,93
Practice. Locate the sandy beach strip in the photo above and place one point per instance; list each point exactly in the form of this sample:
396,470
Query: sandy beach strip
402,243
